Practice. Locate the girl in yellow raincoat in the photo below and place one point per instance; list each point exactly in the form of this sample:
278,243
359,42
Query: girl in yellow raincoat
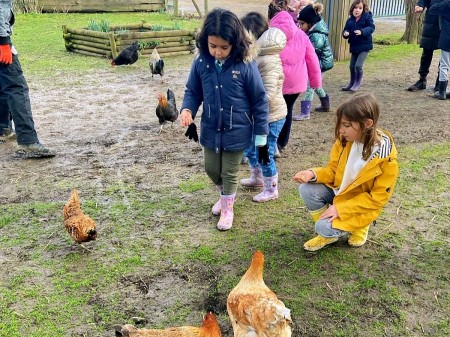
347,195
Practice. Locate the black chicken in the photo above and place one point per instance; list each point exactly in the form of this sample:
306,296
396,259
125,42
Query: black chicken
166,111
127,56
156,64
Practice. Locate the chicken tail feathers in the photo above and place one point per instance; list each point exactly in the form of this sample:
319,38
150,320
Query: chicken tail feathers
72,204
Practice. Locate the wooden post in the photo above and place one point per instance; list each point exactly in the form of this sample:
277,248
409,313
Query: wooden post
66,36
335,15
175,7
112,43
197,8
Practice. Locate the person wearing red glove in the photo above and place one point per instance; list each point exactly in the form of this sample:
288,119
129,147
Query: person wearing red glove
14,95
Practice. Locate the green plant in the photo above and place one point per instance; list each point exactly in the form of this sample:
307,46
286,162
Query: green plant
102,26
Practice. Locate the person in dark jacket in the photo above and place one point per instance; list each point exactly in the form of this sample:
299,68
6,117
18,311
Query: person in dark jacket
428,42
442,8
311,22
358,30
14,96
235,105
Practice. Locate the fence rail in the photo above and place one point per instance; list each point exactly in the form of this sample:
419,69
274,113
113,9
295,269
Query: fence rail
381,8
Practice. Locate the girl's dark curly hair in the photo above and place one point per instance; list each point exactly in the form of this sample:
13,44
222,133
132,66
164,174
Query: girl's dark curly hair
226,25
357,2
358,109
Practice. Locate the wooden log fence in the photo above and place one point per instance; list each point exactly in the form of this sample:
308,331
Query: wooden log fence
110,44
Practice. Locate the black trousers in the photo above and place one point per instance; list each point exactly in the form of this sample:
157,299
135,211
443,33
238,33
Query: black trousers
425,62
15,101
283,137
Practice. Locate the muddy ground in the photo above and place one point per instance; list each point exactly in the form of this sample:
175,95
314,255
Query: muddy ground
105,132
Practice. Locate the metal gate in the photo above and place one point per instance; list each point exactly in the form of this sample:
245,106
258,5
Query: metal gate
380,8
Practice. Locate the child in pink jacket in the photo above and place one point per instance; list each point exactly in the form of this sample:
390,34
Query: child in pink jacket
300,63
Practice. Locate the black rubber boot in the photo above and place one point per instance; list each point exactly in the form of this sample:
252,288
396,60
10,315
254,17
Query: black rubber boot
324,104
352,81
436,85
421,84
443,90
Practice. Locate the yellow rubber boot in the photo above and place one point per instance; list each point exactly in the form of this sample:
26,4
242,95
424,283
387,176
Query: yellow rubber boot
315,215
318,243
358,237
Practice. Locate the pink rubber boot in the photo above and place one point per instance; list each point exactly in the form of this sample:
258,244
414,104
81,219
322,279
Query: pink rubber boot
216,208
255,180
226,214
270,191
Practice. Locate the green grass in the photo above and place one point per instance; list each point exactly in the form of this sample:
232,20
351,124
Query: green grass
38,38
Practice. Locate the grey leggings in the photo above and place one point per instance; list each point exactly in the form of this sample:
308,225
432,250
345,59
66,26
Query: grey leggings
357,60
223,168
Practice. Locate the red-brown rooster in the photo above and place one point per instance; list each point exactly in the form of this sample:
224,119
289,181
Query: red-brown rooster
166,111
127,56
254,309
80,227
210,328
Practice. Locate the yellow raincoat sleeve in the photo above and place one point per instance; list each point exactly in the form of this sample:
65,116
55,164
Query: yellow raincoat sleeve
327,175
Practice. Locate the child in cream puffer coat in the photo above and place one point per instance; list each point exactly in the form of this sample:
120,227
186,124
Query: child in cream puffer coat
269,43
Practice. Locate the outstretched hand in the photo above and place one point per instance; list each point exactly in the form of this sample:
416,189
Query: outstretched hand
303,176
191,132
263,154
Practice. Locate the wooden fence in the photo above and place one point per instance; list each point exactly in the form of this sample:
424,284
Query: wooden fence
110,44
51,6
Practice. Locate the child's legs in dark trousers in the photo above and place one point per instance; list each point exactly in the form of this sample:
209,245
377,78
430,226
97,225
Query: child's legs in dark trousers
444,66
5,119
357,61
223,168
425,61
283,138
316,197
14,89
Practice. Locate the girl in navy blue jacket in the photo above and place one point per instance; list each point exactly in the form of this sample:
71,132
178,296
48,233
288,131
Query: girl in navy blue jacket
358,30
235,104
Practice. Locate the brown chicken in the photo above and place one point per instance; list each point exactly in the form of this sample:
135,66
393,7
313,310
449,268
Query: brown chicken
166,110
254,309
210,328
80,227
